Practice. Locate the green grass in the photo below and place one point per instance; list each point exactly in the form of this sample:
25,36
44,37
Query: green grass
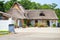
4,33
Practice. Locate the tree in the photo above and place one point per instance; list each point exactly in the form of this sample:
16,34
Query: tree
53,6
27,4
57,10
2,6
13,0
8,5
46,6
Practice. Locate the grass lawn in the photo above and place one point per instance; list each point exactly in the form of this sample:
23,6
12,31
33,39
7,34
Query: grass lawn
3,33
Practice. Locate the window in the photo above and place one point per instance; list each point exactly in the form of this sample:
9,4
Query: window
41,14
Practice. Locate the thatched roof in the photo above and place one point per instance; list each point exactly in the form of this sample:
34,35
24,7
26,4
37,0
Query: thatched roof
19,6
17,13
35,14
5,14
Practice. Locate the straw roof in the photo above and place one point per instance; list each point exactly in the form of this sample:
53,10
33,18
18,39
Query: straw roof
19,12
35,14
5,14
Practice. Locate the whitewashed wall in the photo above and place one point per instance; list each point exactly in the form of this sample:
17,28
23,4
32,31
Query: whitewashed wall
53,22
4,25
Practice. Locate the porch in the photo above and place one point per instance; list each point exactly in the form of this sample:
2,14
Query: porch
36,22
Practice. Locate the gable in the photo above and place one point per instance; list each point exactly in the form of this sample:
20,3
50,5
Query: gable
17,11
15,6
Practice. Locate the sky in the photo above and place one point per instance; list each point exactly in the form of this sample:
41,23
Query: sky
46,2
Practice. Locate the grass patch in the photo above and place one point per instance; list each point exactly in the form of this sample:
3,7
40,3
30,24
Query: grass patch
4,32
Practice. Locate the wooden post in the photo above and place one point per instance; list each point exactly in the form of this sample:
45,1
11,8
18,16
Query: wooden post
56,22
22,21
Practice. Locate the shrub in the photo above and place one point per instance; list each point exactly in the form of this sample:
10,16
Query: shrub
42,25
54,25
24,25
16,25
31,25
36,24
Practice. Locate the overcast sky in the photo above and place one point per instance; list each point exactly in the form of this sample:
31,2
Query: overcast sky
46,2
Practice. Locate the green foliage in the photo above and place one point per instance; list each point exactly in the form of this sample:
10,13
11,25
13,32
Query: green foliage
8,5
31,25
36,24
42,25
58,12
0,15
13,0
1,6
53,6
54,25
4,32
59,21
27,4
46,6
24,25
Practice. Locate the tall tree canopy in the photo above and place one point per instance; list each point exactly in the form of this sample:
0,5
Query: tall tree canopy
13,0
27,4
8,5
2,6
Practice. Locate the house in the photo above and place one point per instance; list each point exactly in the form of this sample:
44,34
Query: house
21,16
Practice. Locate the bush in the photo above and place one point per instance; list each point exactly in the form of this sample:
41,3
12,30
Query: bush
42,25
31,25
36,24
54,25
24,25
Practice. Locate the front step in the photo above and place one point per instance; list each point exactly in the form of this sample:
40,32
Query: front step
42,30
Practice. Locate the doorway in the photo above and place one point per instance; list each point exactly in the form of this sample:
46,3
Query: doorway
36,21
48,23
28,23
